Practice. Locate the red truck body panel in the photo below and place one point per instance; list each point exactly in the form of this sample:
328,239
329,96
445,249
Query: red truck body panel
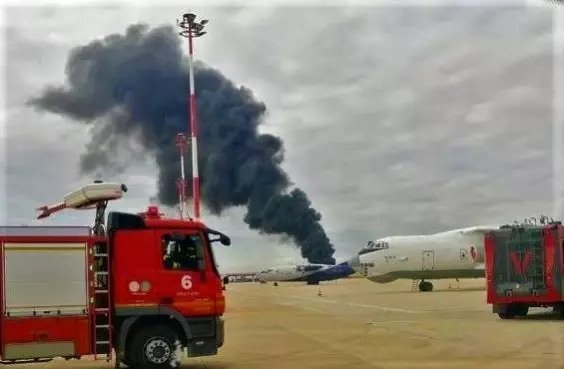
25,326
525,265
24,330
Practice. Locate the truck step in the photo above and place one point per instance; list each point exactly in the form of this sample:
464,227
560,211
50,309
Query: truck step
103,326
101,291
105,357
101,310
22,362
101,255
100,273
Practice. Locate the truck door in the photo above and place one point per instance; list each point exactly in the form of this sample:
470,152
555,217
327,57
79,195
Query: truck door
428,260
182,275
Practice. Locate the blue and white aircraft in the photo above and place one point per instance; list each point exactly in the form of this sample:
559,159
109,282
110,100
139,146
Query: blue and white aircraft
310,273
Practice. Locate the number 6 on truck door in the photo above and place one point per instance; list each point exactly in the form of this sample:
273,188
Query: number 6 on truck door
186,282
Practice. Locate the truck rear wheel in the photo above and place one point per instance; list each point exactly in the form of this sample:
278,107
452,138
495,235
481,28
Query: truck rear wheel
154,347
506,315
521,310
514,310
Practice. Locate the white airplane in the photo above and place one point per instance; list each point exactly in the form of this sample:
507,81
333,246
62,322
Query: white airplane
455,254
310,273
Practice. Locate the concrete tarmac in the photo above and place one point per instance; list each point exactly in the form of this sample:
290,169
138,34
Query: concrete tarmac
357,324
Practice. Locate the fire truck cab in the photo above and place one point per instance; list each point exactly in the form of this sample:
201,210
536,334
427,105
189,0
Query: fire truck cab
146,288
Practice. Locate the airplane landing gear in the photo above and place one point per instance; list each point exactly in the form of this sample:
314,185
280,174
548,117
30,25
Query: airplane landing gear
457,284
425,286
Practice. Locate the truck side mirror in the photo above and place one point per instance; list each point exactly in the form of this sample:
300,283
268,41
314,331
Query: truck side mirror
225,241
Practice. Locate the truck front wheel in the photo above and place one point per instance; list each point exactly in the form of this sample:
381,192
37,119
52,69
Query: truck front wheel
154,347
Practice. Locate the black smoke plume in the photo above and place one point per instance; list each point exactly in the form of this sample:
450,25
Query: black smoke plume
133,87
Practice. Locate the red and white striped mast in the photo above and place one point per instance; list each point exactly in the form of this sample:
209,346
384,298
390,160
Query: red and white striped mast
180,141
192,29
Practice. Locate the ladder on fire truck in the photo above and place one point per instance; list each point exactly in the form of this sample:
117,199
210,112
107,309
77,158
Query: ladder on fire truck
96,196
100,300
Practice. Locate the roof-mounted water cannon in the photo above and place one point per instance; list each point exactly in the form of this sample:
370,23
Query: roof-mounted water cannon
92,196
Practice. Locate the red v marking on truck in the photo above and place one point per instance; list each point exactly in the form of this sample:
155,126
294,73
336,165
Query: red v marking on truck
520,266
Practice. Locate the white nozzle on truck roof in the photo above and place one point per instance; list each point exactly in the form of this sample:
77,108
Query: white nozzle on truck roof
87,196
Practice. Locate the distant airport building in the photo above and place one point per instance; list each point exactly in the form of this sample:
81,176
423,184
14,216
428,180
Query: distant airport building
241,277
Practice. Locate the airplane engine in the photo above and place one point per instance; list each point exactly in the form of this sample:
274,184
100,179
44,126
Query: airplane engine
477,254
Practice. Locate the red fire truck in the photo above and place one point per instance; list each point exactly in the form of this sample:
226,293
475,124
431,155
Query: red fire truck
525,268
145,288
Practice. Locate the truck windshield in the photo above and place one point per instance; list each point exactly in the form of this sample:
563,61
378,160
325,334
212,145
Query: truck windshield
183,254
212,255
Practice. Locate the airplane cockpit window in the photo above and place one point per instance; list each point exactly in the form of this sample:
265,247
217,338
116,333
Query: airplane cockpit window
266,271
374,246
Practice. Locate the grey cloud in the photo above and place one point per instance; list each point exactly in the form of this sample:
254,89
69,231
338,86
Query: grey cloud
425,118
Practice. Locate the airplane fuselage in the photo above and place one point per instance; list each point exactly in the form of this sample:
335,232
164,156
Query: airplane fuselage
310,273
425,275
451,254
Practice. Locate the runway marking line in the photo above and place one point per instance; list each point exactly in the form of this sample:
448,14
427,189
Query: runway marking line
300,306
311,309
383,308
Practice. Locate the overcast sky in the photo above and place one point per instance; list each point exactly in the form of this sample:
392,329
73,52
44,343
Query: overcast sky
396,120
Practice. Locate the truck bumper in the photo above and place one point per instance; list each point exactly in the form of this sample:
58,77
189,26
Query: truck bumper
207,344
219,331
